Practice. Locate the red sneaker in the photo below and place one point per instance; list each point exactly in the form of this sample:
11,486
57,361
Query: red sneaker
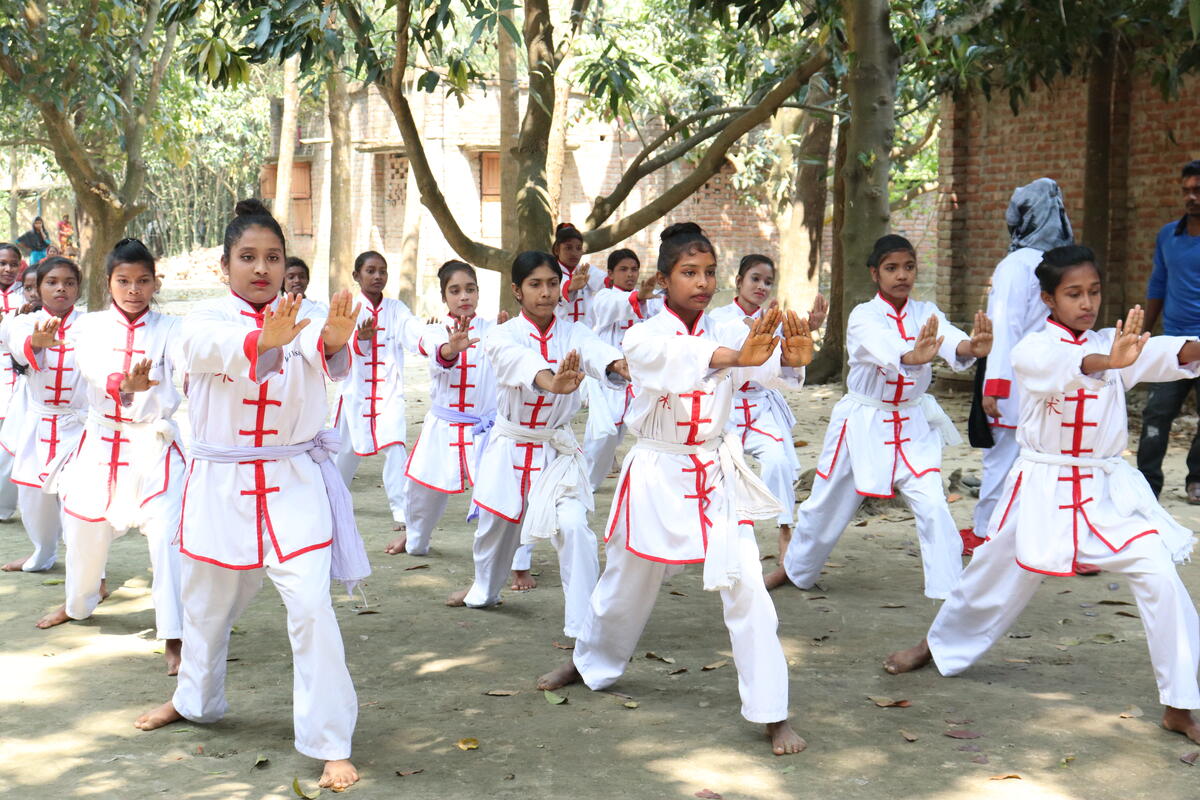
970,540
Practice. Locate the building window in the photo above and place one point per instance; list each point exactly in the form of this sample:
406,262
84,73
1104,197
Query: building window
489,195
302,210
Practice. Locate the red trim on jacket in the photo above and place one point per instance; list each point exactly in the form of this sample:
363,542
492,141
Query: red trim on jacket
997,387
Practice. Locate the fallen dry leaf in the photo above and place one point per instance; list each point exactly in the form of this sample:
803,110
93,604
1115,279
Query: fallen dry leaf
1133,712
1128,614
261,761
404,773
909,737
708,794
301,793
679,671
1190,758
893,605
367,611
656,657
631,704
817,597
953,498
799,443
1115,603
887,702
832,565
554,699
467,744
959,733
1011,776
564,646
620,695
1066,760
678,594
714,665
500,692
416,566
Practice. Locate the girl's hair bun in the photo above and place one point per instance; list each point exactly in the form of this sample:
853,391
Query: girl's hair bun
251,207
680,229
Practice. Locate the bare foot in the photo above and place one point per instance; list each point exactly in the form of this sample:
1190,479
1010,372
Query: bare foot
173,655
163,715
55,617
396,526
522,581
908,660
559,677
785,538
338,775
104,592
776,578
396,546
14,566
456,598
784,740
1180,720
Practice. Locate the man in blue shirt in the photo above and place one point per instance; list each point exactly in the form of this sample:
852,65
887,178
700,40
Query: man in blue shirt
1174,292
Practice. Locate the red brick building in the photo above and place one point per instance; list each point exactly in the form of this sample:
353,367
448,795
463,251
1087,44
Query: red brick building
985,152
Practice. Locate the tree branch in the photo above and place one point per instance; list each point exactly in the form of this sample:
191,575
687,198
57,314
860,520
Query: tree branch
712,161
964,23
912,148
137,117
912,194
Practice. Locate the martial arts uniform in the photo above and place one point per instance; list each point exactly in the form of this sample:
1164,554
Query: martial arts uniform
270,514
1015,307
521,476
370,414
462,409
687,496
314,310
885,434
11,300
1070,499
127,470
576,305
55,403
613,312
763,420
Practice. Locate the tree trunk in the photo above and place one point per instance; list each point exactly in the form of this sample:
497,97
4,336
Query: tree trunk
535,226
510,120
14,176
104,226
830,360
556,149
801,218
1096,160
287,144
341,234
871,90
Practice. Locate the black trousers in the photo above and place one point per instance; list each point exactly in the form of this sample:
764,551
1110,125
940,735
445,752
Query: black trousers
1162,407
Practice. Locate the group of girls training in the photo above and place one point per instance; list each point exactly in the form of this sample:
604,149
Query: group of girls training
262,485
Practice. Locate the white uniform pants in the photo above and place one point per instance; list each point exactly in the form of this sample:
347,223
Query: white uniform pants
775,469
523,558
600,453
87,554
994,591
8,489
496,540
324,705
42,517
621,606
423,508
823,517
997,463
395,482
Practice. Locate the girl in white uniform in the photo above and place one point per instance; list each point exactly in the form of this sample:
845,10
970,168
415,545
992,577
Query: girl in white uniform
370,413
887,434
256,499
55,403
761,416
1071,497
12,298
686,495
128,468
462,409
1037,222
615,309
295,281
533,477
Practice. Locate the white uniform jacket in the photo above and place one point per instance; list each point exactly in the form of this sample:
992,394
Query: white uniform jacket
314,310
886,421
668,503
55,400
444,456
576,306
613,312
1070,479
130,451
11,300
373,397
237,398
518,350
1015,308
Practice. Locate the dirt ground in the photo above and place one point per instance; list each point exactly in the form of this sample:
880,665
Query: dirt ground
1046,703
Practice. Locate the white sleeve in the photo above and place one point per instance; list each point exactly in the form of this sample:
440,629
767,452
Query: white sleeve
772,374
868,341
1044,367
666,363
613,306
408,337
952,337
1159,362
212,344
513,364
595,355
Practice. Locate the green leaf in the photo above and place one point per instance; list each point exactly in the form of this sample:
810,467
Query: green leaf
554,699
301,793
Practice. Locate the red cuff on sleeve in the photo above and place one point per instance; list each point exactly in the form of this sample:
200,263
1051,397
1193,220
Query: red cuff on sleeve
637,305
250,348
31,356
112,387
566,284
354,338
997,388
437,354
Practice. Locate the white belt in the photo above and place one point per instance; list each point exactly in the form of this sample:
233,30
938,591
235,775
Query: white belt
934,415
564,477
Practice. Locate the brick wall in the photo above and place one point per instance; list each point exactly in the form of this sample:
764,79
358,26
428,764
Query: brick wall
985,152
